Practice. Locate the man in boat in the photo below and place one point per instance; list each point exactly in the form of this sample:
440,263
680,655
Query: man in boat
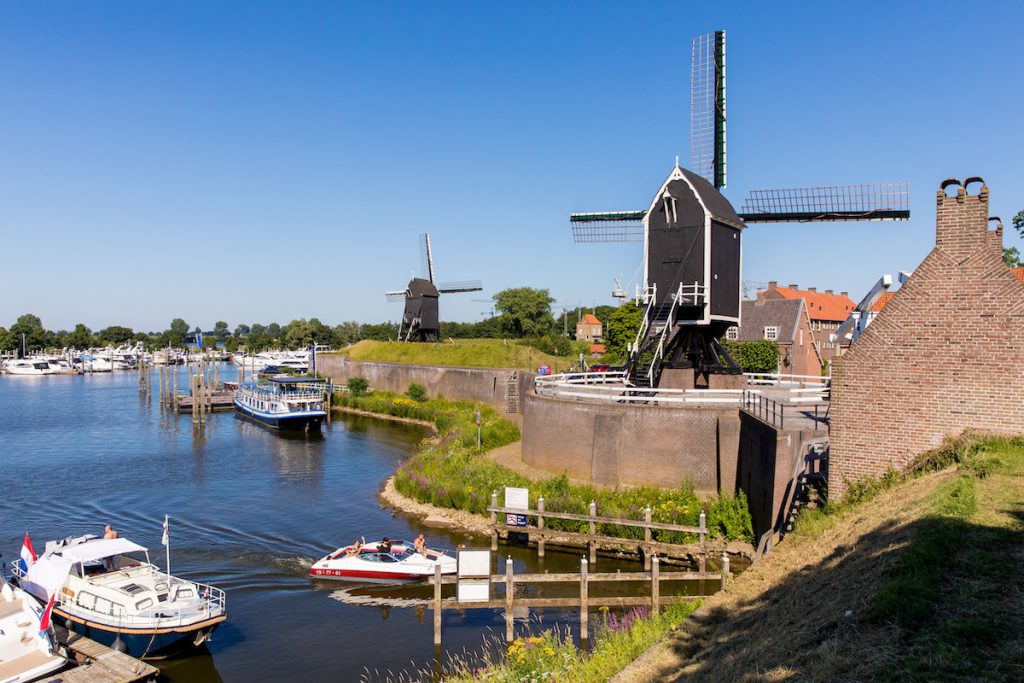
110,563
384,546
108,532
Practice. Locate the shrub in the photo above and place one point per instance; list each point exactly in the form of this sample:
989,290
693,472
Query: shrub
358,386
417,392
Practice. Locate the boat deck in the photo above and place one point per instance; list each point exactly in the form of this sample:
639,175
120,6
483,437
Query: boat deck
102,665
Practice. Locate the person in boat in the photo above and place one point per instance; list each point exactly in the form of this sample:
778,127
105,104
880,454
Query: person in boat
110,563
384,546
109,533
354,549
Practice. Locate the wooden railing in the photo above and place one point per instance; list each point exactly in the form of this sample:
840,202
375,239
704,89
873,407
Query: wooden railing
592,539
584,602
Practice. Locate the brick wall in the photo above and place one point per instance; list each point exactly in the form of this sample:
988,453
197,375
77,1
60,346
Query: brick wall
944,355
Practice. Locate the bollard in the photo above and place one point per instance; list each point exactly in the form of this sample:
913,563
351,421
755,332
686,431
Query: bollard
647,538
655,585
593,532
584,607
510,592
540,526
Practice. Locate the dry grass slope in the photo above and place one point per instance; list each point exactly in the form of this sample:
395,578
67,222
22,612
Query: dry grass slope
920,583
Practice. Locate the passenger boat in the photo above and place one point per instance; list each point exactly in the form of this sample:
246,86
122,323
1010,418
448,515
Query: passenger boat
371,564
112,590
283,402
26,651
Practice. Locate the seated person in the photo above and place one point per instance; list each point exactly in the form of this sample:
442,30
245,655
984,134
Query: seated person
354,549
384,546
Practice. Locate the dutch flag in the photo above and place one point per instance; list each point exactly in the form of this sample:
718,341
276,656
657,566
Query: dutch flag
44,618
28,555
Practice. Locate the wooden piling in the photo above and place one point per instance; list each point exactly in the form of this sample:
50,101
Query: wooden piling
725,570
647,538
593,532
584,606
494,522
216,376
540,525
703,559
655,584
510,592
193,386
437,604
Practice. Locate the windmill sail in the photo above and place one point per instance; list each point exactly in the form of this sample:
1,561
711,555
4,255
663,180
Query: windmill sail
879,202
607,226
707,107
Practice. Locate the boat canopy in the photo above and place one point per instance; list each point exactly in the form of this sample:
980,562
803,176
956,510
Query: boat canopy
297,380
99,549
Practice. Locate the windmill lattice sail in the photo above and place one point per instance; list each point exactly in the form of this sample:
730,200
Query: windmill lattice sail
707,107
607,226
878,202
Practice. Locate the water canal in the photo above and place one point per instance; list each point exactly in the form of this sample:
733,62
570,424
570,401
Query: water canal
250,512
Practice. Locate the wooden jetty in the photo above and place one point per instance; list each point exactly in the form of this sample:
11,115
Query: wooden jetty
514,596
98,663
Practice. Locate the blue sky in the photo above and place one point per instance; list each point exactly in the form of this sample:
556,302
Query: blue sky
271,161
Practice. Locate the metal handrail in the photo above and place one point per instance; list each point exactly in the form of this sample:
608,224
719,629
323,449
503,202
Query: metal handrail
650,297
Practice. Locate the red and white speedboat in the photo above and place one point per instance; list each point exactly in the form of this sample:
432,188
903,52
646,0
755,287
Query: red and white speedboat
371,564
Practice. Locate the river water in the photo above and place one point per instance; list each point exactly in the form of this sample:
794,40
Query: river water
250,511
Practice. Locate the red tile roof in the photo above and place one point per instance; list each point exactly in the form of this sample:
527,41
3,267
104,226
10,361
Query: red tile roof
820,306
598,348
882,301
1019,272
590,319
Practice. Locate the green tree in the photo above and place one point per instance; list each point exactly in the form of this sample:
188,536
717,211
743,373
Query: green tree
177,332
525,312
274,330
1011,257
623,324
7,342
348,333
115,335
220,330
1018,223
754,356
29,330
231,345
242,331
80,337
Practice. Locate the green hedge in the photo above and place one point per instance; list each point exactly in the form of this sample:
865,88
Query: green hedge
449,472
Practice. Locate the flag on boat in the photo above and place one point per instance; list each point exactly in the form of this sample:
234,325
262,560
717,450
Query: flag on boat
44,618
28,554
163,539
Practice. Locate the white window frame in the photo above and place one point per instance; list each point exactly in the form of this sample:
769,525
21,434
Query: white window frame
771,332
733,333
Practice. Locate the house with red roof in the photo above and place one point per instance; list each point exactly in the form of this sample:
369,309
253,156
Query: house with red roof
1019,273
589,328
826,310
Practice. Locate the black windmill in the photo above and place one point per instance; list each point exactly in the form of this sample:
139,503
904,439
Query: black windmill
692,235
421,319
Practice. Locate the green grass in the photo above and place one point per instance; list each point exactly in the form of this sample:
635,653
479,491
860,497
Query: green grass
552,655
480,353
953,595
449,472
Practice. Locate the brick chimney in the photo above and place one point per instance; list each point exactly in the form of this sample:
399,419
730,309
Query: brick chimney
846,294
773,284
829,292
812,289
961,220
794,287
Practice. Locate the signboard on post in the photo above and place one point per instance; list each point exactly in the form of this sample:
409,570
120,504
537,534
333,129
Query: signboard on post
474,584
516,499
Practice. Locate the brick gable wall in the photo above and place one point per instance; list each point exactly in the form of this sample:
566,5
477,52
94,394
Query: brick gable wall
944,355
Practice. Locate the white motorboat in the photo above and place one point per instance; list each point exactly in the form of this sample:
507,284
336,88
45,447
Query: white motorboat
111,587
370,563
284,402
28,366
27,652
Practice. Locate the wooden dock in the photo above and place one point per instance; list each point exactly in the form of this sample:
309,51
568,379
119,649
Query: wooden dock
98,663
216,402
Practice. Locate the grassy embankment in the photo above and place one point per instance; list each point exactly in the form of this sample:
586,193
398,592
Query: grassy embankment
915,578
479,353
449,472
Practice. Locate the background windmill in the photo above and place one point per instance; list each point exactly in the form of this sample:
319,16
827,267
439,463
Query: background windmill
421,317
691,234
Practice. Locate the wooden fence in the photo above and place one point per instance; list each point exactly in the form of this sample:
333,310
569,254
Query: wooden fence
592,539
584,602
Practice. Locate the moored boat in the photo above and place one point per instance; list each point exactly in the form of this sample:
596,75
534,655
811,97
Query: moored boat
110,588
32,367
27,651
283,402
371,563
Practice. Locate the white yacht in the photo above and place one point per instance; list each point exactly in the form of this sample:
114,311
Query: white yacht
26,651
28,366
111,588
